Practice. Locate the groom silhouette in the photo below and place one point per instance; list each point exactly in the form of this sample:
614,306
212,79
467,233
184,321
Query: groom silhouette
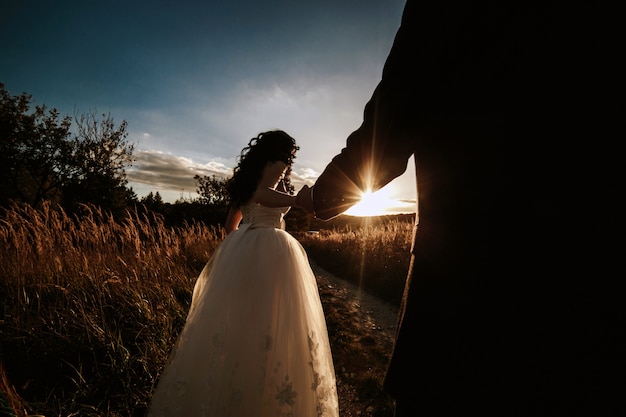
489,97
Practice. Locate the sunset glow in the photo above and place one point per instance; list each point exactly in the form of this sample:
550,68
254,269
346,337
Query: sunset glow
373,203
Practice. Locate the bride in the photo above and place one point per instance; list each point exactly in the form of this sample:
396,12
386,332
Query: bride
255,342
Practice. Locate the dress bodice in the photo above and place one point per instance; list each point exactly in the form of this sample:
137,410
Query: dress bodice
260,216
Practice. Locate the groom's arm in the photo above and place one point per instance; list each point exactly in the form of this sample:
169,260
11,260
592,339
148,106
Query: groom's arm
450,61
378,150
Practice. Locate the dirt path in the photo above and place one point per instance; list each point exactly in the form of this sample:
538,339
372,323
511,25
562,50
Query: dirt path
380,314
361,329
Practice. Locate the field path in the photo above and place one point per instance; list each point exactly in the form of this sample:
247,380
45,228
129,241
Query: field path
378,312
361,329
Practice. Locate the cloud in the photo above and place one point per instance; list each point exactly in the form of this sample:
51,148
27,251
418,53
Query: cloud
318,113
166,172
306,175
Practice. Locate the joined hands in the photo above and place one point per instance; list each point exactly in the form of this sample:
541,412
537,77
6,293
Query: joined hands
304,199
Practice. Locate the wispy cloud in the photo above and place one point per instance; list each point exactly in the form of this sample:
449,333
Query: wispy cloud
163,171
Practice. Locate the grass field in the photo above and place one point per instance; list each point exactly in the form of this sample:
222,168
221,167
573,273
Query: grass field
90,307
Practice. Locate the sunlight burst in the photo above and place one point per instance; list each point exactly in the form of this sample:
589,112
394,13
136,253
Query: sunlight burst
373,203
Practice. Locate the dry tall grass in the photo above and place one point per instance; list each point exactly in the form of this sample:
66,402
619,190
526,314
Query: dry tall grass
90,306
373,256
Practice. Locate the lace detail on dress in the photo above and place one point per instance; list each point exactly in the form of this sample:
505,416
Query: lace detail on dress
282,398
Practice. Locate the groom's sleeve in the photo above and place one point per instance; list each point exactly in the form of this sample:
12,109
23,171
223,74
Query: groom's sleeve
378,151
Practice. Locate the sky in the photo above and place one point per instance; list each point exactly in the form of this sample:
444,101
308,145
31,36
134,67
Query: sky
196,80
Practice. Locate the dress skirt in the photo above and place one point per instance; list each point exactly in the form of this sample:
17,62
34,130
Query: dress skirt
255,342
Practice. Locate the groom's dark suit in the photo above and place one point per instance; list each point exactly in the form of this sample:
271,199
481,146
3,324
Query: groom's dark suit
493,319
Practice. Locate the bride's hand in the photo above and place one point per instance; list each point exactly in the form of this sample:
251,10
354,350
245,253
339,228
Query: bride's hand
304,198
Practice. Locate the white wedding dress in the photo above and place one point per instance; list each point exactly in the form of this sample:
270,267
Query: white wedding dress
255,342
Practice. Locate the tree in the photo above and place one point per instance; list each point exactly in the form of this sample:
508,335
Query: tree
152,200
96,169
214,198
40,160
33,150
212,190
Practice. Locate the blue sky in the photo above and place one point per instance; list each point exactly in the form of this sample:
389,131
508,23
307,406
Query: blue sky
195,80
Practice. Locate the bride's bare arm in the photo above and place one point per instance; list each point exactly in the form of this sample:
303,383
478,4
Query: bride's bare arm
233,219
266,193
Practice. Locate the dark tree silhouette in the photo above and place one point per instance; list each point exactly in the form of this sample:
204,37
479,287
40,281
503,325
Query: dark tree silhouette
34,150
212,190
96,173
40,160
213,197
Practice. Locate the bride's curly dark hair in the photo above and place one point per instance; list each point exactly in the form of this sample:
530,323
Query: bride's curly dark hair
270,146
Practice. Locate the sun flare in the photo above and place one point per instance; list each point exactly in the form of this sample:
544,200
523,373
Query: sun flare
373,203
